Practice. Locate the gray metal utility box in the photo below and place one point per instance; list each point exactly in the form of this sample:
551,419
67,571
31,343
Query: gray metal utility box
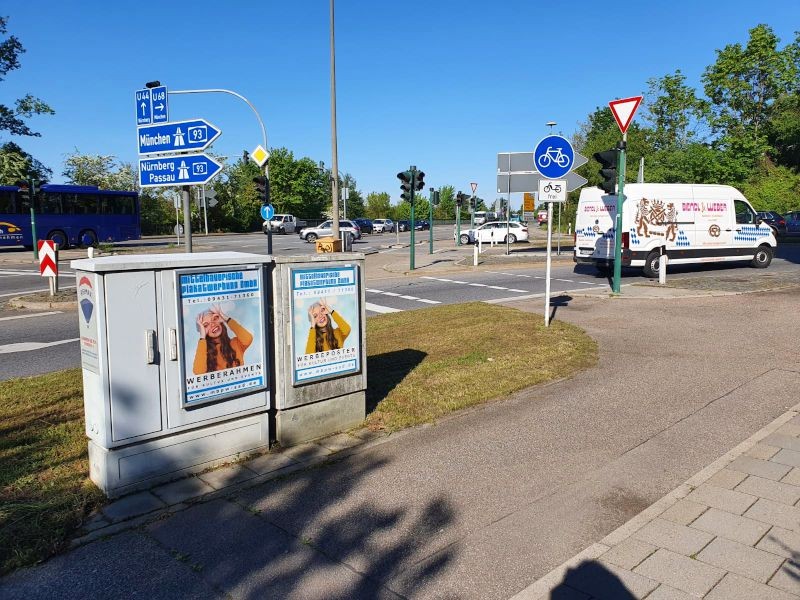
176,363
320,345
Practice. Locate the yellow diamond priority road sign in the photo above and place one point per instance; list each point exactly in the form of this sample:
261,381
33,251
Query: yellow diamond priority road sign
259,155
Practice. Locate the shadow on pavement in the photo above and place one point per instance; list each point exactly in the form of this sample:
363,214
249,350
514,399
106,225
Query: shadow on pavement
594,579
557,302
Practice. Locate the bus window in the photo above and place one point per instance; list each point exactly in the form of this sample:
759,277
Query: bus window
49,203
6,201
81,204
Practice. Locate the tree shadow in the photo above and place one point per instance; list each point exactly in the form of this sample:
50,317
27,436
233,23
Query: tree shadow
590,579
385,371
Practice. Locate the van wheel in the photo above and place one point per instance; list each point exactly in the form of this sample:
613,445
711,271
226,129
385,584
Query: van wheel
652,264
762,258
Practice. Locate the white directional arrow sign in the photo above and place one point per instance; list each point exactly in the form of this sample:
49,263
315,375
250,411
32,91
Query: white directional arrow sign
516,172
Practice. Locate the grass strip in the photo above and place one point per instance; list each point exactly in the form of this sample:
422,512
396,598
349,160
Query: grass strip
422,365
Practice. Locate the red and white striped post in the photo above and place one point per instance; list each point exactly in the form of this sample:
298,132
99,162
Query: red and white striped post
48,263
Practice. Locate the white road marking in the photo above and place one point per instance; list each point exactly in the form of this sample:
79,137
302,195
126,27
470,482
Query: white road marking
494,287
541,277
429,301
28,346
17,273
381,309
410,297
404,296
390,294
479,285
42,314
23,292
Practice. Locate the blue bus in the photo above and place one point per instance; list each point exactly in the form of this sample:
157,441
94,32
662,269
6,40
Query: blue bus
70,215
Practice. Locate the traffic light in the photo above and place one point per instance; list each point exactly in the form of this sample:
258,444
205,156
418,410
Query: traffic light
262,188
419,180
473,203
406,180
460,197
608,160
436,199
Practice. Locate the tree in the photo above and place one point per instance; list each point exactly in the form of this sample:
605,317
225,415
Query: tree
378,205
447,203
100,170
298,187
355,201
11,119
783,130
676,116
744,83
16,165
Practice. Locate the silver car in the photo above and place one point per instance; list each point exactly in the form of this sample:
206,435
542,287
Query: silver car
312,234
383,225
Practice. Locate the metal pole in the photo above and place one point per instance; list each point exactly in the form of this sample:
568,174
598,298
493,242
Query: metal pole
549,252
205,208
558,240
430,222
335,156
413,180
458,225
34,239
615,283
187,219
508,218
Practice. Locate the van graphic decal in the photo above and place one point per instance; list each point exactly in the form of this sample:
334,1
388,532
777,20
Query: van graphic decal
714,230
654,218
752,233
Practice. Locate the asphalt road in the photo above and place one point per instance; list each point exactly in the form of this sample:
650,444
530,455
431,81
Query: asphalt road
40,341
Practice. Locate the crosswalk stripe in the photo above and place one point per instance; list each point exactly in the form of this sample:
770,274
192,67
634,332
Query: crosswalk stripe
381,309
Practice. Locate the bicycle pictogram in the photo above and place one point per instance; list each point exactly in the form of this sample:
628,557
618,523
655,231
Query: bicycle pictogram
552,187
553,155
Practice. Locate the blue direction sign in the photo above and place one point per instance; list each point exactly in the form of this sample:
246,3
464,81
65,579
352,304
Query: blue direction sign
183,169
553,157
144,107
267,211
158,100
176,137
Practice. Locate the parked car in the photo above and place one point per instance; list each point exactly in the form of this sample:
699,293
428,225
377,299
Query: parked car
774,220
494,231
793,222
403,226
383,225
365,225
422,225
312,234
283,224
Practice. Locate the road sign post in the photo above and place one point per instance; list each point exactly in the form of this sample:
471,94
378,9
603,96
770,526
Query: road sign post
623,111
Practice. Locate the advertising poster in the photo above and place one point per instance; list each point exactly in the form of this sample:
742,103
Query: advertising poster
222,334
326,323
87,321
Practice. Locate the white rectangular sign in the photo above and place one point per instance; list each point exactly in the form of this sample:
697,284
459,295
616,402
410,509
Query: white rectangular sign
552,190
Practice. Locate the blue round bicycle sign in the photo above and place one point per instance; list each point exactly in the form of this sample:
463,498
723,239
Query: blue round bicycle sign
553,157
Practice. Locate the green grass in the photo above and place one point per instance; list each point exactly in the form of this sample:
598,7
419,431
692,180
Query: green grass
45,491
422,365
425,364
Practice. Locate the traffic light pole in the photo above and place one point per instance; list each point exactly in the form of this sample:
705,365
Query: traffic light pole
616,282
458,224
430,222
413,178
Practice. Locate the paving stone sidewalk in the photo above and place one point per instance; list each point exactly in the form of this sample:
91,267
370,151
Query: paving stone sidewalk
731,532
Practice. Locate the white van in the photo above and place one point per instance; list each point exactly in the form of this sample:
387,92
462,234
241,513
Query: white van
692,223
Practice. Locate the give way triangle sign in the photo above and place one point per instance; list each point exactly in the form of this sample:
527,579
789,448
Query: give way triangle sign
623,111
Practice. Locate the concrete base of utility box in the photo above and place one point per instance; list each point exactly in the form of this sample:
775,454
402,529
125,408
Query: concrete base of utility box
142,466
311,421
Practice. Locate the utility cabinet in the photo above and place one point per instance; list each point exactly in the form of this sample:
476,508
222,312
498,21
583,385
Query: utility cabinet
175,355
320,345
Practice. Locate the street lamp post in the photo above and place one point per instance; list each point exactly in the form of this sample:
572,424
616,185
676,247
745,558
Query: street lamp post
334,152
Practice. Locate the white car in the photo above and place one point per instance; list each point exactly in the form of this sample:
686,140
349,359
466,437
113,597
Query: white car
495,231
382,225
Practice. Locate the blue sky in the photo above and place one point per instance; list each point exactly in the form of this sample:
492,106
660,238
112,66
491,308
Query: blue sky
444,85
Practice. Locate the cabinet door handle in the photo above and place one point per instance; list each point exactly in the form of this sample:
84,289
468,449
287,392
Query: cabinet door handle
173,344
150,346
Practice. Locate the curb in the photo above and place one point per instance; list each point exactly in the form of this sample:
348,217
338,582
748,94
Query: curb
541,588
20,302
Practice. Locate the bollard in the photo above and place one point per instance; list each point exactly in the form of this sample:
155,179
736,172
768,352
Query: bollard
475,256
662,268
90,252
